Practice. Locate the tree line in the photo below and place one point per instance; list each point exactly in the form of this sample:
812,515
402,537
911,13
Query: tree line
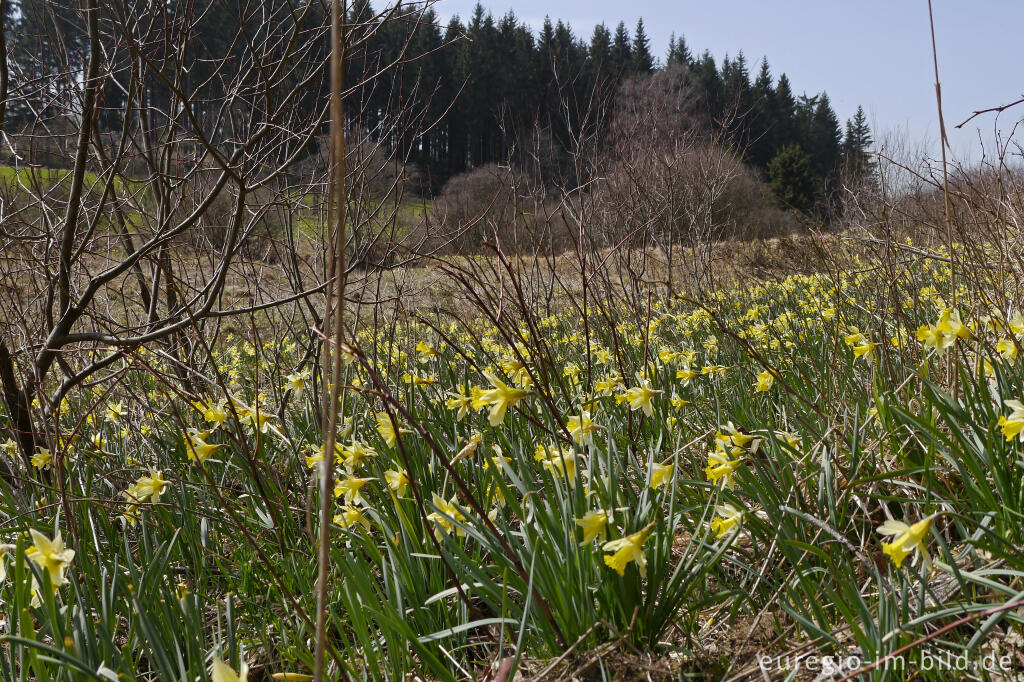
478,89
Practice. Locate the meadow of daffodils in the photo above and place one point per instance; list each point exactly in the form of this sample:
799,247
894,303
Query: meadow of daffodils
801,465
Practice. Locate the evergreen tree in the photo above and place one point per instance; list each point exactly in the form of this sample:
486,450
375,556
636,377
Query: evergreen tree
622,53
600,51
763,125
826,141
784,109
455,133
678,52
709,85
643,62
857,163
738,100
791,179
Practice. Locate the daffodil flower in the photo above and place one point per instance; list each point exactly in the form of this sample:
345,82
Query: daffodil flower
296,382
398,481
661,473
562,464
197,448
626,550
1007,348
461,403
594,525
42,459
907,539
1013,426
721,467
50,555
351,488
728,517
500,398
639,397
446,516
765,381
388,429
222,672
351,516
354,454
686,375
214,414
115,412
582,428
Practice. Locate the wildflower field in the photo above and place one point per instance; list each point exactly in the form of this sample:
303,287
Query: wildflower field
664,490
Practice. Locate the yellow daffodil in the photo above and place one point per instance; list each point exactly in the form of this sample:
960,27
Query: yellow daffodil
351,488
1012,426
351,516
500,398
721,467
906,540
582,428
730,436
677,402
50,555
594,525
296,382
197,448
214,414
354,454
640,397
398,481
660,474
222,672
151,487
115,412
728,517
462,404
388,430
561,463
765,380
426,351
446,516
1007,348
945,332
686,375
43,459
626,550
608,385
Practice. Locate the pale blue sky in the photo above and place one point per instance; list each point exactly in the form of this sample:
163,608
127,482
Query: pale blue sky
876,53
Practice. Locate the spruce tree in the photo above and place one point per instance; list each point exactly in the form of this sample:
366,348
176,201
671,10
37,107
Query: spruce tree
784,106
763,127
857,163
826,141
643,62
738,100
678,52
709,84
600,50
791,179
622,53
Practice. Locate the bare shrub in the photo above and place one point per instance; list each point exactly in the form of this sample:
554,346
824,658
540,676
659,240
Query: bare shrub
670,182
473,207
